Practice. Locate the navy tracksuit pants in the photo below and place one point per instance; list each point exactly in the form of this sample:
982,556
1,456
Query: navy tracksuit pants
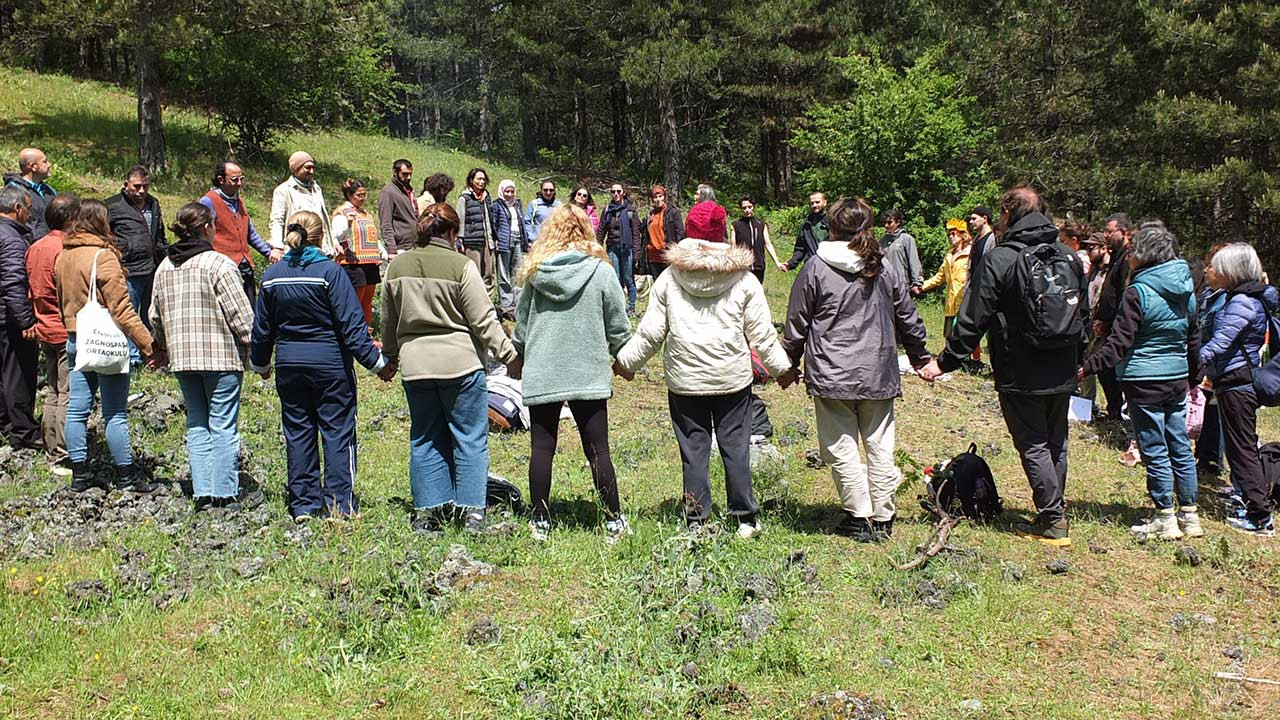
318,408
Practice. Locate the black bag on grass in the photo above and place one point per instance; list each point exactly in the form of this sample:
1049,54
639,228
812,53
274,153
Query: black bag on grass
965,486
500,491
1270,454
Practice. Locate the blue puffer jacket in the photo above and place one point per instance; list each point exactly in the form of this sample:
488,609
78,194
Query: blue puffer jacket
308,312
501,215
1240,327
1167,300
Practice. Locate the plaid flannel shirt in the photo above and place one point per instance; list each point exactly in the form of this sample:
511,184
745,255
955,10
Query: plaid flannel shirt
200,314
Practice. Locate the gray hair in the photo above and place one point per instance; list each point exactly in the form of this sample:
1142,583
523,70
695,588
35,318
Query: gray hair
13,197
1238,263
706,193
1154,243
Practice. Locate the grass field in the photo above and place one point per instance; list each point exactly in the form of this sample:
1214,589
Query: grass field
337,624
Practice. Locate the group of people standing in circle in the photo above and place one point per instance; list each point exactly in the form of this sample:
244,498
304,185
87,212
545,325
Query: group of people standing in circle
564,275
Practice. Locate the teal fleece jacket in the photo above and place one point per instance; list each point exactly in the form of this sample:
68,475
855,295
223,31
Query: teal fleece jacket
570,323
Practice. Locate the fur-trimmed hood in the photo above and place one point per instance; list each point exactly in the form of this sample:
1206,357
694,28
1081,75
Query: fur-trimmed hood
707,269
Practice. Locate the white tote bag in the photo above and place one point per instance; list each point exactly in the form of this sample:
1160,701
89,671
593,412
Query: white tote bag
100,345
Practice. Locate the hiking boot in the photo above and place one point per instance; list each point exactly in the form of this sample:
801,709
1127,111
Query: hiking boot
130,478
427,520
82,478
539,530
858,528
202,503
250,499
882,529
1054,533
1163,526
1257,528
473,523
1189,521
616,529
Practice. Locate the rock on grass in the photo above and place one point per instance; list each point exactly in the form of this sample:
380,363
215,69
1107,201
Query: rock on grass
844,705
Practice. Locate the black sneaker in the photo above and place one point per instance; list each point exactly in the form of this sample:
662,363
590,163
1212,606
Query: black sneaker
426,521
1054,534
250,499
882,529
473,524
202,503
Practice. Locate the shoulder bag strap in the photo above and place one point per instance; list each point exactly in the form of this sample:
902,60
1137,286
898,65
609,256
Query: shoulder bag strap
93,278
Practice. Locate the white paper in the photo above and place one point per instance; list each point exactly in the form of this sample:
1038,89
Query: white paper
1081,409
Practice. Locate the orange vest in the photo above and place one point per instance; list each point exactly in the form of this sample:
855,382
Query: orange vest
230,229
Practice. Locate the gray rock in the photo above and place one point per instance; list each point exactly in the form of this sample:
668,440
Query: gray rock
758,587
1190,621
1186,555
1057,566
845,705
690,670
972,705
1012,572
132,570
248,568
756,622
813,458
483,631
88,592
1234,652
459,568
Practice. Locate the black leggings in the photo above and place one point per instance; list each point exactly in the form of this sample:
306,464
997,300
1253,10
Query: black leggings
592,417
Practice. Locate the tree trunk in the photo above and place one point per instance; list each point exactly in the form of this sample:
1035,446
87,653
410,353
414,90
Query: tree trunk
151,150
669,140
618,99
486,121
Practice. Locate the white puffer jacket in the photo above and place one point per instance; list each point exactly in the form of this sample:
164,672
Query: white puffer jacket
710,311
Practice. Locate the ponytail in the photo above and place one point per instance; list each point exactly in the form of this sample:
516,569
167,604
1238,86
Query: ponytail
303,228
191,221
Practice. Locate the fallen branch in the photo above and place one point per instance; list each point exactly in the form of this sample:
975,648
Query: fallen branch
1245,678
937,543
946,522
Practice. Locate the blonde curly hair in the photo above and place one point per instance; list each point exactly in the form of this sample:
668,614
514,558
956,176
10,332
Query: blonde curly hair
567,229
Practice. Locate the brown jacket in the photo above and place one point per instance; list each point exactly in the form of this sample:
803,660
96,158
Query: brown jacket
71,274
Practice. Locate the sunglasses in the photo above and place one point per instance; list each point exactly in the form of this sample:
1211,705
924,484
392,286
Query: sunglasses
615,192
582,195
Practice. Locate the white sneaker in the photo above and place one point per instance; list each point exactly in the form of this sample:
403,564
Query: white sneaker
1189,521
540,529
616,529
1163,526
748,530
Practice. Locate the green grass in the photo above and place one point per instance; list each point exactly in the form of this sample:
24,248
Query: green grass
329,628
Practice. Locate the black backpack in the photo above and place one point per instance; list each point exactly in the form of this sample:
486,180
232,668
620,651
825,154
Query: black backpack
1050,284
1270,454
965,486
500,491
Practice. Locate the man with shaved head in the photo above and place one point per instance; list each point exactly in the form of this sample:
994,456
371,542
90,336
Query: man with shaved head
33,171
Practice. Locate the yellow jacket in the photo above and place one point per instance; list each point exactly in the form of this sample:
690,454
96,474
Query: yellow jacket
954,272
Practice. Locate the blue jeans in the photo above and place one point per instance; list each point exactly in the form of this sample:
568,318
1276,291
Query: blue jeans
448,440
140,297
1161,431
115,398
624,266
213,438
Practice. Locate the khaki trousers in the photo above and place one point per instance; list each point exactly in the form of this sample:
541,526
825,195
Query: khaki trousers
53,421
866,490
483,259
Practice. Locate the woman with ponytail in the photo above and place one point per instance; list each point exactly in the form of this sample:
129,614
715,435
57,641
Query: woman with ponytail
438,323
360,250
847,313
201,321
309,315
